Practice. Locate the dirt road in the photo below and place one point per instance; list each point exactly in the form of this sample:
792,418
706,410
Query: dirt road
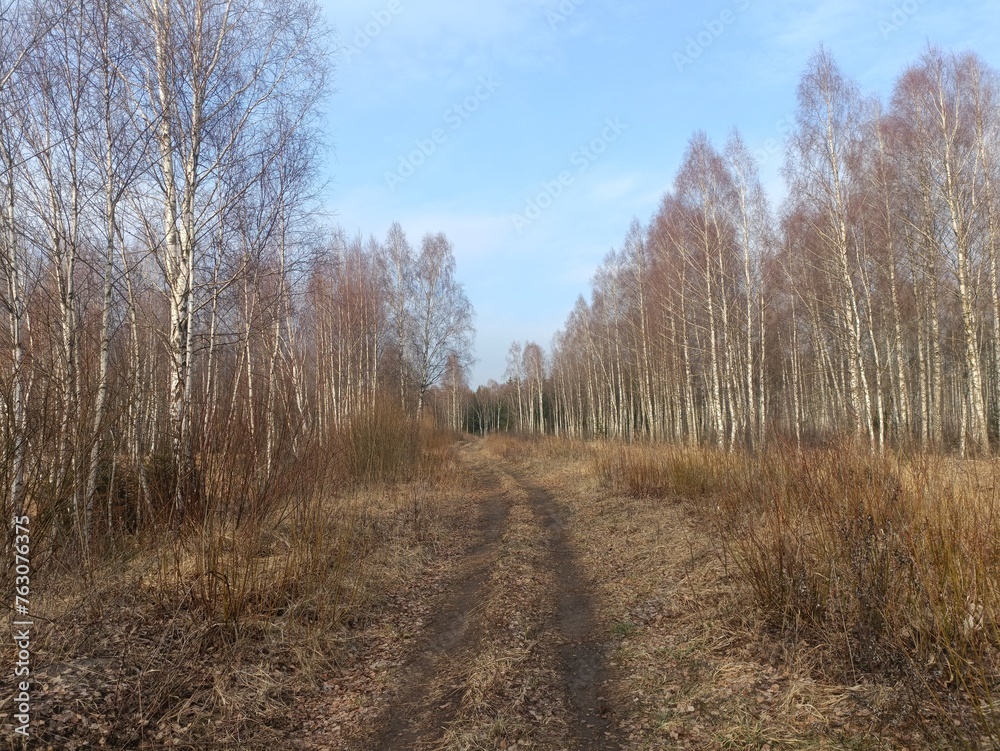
513,651
563,616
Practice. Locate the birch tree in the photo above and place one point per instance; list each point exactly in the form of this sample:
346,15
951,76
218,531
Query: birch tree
824,146
400,263
443,316
21,33
217,72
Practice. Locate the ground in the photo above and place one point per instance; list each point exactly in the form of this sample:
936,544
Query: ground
557,616
510,600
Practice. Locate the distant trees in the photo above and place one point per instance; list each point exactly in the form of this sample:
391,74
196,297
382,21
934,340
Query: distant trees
868,306
523,397
383,320
672,343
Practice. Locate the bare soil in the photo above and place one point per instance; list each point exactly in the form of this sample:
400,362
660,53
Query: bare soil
583,648
452,636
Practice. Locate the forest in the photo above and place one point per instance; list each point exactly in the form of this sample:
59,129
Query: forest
746,499
865,305
168,275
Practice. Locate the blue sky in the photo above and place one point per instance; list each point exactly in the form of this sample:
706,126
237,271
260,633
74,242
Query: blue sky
531,132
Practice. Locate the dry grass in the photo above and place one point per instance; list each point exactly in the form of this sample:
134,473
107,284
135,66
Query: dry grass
646,470
210,637
885,570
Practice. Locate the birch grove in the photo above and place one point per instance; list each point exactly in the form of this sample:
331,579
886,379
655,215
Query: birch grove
866,305
176,311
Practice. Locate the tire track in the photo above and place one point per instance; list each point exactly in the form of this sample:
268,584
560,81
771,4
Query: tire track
567,669
582,659
417,718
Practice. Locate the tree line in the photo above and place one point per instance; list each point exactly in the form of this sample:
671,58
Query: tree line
867,305
171,294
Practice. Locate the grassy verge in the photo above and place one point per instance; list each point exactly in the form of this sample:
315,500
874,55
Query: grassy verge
802,599
218,636
887,568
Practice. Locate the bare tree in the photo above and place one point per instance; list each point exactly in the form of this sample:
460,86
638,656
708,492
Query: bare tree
400,263
21,33
515,375
217,73
824,147
872,308
442,318
533,367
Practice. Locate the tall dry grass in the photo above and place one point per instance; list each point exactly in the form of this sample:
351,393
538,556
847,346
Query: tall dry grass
647,470
203,637
890,566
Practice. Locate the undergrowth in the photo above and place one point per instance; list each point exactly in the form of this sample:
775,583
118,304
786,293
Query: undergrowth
204,637
888,568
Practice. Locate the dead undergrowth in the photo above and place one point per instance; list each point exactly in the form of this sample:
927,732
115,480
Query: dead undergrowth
813,600
784,600
219,636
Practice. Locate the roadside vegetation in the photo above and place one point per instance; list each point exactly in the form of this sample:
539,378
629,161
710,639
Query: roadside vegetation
877,574
214,636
